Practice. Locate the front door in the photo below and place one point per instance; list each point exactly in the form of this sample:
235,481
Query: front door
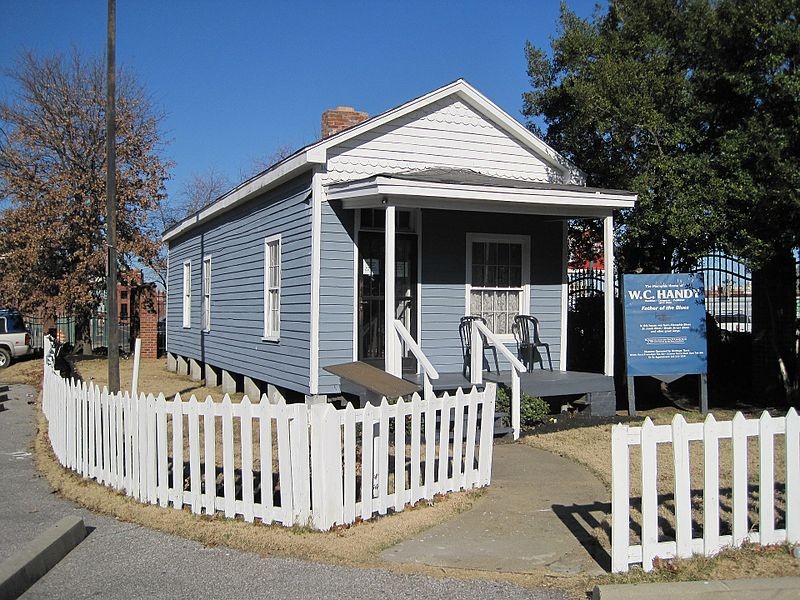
371,298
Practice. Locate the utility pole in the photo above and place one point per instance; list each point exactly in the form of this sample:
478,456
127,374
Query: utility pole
112,318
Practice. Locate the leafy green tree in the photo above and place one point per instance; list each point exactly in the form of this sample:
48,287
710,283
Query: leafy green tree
694,105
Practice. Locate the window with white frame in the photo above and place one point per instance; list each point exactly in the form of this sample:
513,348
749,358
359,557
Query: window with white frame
497,279
272,288
187,293
206,299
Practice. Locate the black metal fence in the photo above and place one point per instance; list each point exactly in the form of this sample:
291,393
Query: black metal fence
66,331
728,287
729,291
587,283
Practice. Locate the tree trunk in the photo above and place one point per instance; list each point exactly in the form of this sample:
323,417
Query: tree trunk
83,337
775,330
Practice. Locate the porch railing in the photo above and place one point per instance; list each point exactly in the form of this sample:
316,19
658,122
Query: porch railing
428,370
479,332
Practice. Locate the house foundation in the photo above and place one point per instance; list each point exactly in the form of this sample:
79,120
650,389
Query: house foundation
183,366
316,399
230,382
602,404
195,370
253,389
213,375
172,362
273,395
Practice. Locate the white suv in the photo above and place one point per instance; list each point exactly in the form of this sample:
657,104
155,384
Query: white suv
15,341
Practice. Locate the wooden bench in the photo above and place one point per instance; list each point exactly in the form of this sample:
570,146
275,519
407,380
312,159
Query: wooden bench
375,382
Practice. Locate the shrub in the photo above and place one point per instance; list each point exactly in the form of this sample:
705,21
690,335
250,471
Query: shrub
533,409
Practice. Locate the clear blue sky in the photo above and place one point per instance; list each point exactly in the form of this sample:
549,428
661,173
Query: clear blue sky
239,79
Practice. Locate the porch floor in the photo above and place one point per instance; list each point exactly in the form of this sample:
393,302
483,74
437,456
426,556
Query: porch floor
538,382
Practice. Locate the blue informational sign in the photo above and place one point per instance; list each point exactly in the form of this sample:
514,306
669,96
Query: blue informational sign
665,324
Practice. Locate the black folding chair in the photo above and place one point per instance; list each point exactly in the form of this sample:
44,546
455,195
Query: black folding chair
526,333
465,331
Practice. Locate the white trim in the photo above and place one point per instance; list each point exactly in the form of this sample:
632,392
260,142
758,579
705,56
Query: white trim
525,242
205,304
391,343
412,345
608,263
356,279
419,282
271,333
186,298
465,92
381,186
166,307
562,355
317,196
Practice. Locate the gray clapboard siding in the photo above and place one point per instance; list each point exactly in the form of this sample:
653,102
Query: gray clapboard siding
336,292
448,133
235,242
444,270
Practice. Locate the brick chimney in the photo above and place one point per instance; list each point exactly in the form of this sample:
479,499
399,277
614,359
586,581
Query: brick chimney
339,118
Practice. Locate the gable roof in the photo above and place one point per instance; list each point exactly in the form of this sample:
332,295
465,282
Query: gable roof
317,152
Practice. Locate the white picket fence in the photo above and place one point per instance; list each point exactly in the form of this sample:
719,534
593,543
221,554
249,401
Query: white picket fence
679,434
321,466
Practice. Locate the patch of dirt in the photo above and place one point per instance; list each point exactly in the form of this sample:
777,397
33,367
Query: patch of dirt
27,370
153,378
568,421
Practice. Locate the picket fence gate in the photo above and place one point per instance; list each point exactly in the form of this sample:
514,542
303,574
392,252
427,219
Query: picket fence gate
709,433
334,466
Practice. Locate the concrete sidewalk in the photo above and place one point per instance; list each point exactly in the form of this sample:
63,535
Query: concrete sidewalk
538,513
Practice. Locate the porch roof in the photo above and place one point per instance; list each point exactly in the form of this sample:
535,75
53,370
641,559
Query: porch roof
464,189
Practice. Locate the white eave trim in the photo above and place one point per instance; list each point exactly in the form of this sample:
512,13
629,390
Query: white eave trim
388,190
249,189
474,98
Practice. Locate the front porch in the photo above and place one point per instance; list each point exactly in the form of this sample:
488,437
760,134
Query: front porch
598,389
432,246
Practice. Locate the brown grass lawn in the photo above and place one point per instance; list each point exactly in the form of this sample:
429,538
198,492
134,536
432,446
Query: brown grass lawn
153,378
361,545
27,370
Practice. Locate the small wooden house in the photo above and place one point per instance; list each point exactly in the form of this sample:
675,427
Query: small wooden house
287,273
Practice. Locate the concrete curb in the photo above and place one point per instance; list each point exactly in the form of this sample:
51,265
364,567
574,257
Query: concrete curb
730,589
22,570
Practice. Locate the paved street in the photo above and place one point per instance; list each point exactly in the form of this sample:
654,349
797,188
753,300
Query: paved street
122,560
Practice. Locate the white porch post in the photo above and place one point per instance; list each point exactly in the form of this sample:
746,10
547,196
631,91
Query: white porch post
608,263
391,345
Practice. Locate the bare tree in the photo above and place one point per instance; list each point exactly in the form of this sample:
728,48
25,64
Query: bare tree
262,163
202,189
52,176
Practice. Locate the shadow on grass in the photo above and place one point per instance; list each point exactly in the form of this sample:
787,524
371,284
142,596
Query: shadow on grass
581,522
